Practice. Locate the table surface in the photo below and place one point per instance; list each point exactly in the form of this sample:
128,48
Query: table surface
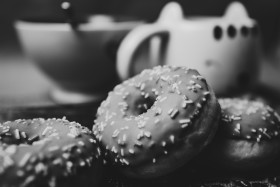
22,83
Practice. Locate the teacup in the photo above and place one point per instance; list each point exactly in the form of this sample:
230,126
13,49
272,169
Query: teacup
223,49
81,60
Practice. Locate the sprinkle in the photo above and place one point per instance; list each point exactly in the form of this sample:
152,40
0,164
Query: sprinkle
82,163
114,150
162,99
92,140
158,111
174,113
24,159
34,138
267,135
140,135
39,167
46,130
75,132
131,151
138,144
154,160
124,137
115,133
20,173
172,138
157,121
142,87
68,147
253,130
236,118
238,127
192,82
17,134
146,95
66,155
198,86
53,148
125,161
71,135
23,134
147,134
206,93
163,144
184,104
28,180
122,152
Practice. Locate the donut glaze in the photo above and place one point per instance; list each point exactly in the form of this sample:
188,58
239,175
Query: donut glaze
47,152
248,135
157,121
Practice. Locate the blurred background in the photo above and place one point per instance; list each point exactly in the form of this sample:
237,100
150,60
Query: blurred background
266,12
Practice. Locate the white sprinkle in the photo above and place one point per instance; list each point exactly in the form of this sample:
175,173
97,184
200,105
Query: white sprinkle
147,134
125,161
17,135
24,159
53,148
206,93
122,152
46,130
172,138
198,86
157,121
131,151
23,134
81,143
92,140
115,133
162,99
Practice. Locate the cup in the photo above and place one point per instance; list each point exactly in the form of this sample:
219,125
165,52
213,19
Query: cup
80,60
225,49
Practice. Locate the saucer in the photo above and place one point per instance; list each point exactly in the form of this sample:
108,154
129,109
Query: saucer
61,96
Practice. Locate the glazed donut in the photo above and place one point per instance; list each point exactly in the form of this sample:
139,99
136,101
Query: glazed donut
248,136
157,121
48,152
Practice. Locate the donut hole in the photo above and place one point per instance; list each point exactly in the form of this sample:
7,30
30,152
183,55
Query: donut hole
139,104
142,105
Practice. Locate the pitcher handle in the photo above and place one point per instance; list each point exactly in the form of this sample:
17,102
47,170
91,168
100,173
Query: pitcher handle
130,45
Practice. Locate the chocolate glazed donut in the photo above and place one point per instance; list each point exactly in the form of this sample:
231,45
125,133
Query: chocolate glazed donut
157,121
52,152
248,136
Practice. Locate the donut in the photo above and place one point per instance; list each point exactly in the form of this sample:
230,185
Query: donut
247,137
48,153
157,121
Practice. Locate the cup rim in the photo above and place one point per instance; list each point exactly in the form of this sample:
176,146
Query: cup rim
110,24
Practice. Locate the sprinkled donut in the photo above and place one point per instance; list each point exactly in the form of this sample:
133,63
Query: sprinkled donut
248,136
48,152
157,121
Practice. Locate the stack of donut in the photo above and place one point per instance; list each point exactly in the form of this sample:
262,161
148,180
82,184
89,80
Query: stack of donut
163,118
150,126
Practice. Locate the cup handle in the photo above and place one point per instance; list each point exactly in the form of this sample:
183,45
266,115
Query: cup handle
132,43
